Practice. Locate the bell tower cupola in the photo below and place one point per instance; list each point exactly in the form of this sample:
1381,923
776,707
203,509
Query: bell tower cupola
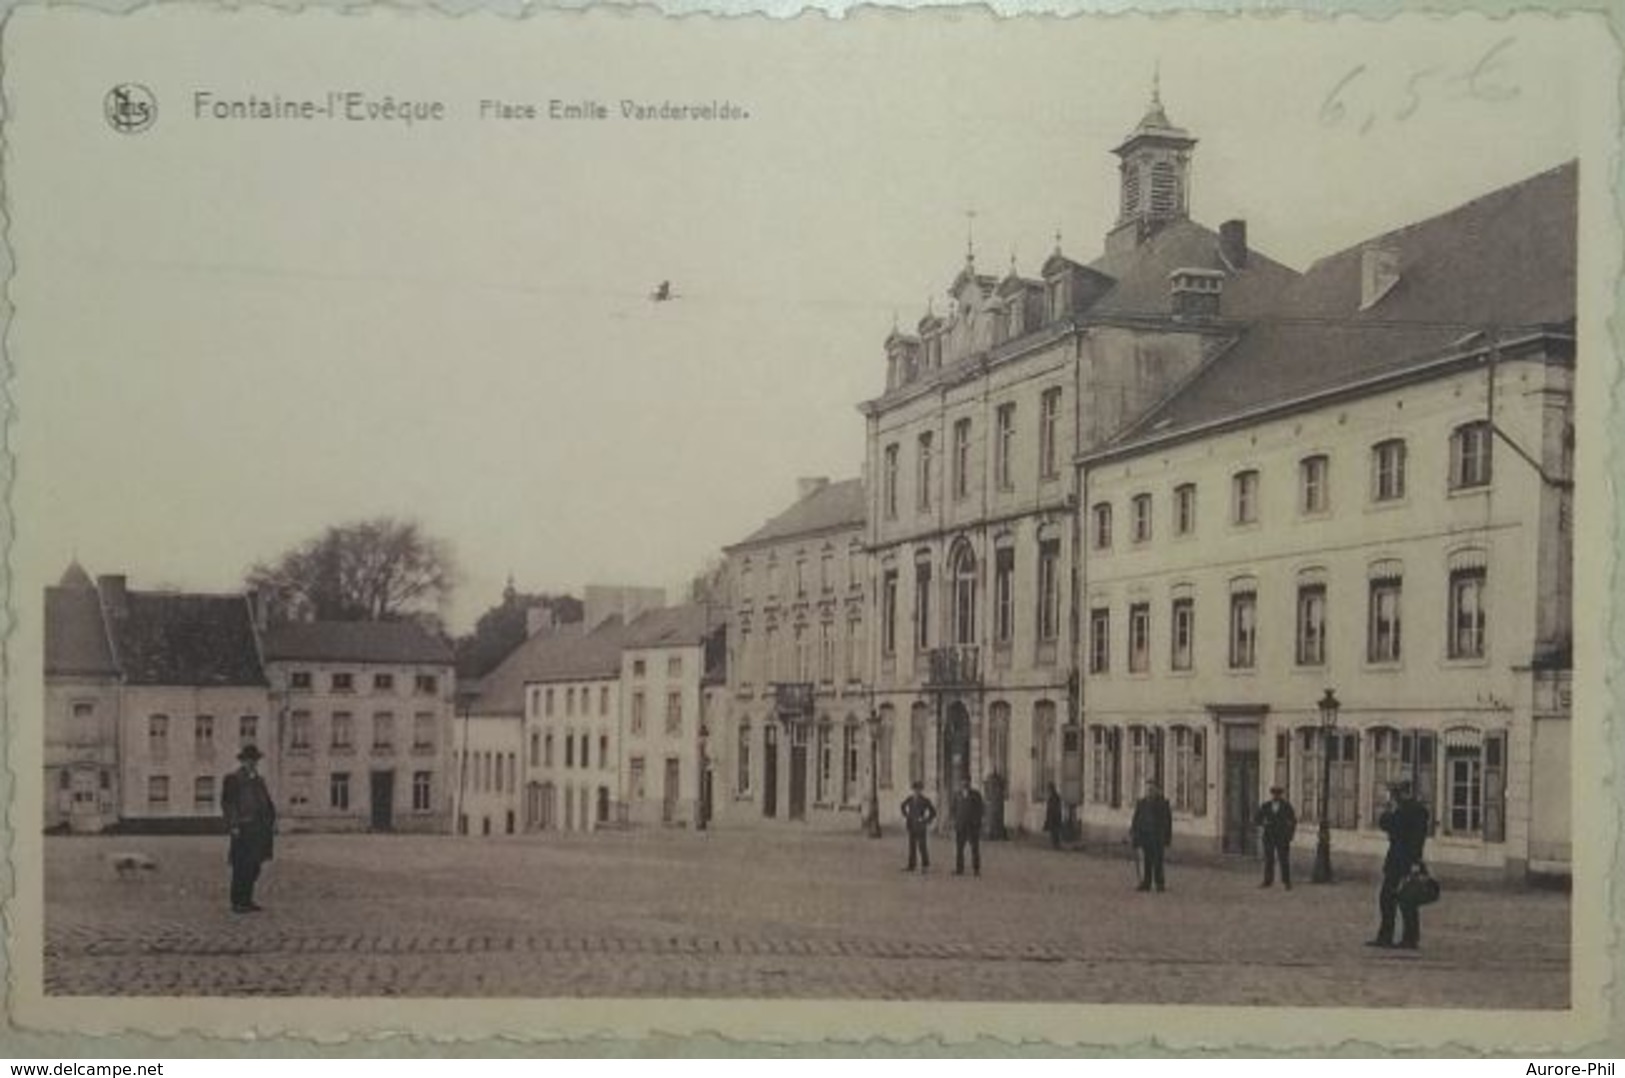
1154,175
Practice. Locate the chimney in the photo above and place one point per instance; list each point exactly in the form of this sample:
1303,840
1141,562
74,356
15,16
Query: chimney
115,599
537,618
807,486
1379,273
1195,293
1233,244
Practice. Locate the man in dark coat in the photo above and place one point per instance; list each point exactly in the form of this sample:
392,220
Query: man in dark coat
1279,823
1152,831
251,820
968,829
918,814
1406,821
1052,816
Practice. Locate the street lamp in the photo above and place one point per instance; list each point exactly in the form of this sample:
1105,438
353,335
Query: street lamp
1329,705
871,823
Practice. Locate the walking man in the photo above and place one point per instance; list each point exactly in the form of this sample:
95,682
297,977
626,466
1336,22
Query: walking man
968,829
918,814
1052,816
1279,823
1406,822
1152,831
251,821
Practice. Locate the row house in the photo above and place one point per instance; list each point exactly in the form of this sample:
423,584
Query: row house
364,717
149,698
573,705
1370,495
797,745
671,680
971,523
151,695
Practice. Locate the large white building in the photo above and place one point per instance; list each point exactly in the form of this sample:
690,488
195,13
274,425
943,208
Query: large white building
1371,494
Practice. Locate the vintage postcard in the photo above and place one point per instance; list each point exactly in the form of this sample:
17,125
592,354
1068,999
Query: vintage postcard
922,524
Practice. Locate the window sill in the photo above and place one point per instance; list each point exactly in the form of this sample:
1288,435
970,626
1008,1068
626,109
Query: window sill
1465,662
1383,666
1478,490
1384,505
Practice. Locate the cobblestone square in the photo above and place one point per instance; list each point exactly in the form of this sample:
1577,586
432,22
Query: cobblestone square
756,915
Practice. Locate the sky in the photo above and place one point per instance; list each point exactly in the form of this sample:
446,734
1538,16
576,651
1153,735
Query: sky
229,334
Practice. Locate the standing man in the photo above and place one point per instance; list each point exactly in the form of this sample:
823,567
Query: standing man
251,820
1152,832
1279,823
1052,816
918,813
1406,822
968,829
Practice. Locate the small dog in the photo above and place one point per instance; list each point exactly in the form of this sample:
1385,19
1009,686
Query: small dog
127,866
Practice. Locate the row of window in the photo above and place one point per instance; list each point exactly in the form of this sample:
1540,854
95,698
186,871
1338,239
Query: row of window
963,587
203,734
797,585
674,668
1459,773
833,782
344,681
959,456
576,750
797,661
488,772
341,731
638,720
1469,468
1465,623
545,701
205,792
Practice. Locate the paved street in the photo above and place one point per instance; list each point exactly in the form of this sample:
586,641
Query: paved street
743,915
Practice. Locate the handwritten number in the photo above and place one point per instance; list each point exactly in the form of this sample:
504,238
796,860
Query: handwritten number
1333,111
1479,79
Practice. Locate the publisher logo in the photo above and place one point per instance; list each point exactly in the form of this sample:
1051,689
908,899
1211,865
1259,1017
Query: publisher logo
130,108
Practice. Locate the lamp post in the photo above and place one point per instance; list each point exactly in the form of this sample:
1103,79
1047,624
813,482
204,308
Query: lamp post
871,823
1329,705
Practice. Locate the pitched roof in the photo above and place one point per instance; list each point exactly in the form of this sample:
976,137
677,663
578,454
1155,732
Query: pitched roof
550,656
1506,259
673,626
76,642
1141,275
356,641
830,507
178,639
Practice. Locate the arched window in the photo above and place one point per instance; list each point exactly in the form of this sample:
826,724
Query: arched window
1043,749
998,741
918,722
963,570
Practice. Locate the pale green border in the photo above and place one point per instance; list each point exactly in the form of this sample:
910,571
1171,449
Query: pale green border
16,1043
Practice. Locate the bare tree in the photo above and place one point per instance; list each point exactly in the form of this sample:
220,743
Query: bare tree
372,570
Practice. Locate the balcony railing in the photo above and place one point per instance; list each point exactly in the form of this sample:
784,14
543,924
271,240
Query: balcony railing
954,667
793,697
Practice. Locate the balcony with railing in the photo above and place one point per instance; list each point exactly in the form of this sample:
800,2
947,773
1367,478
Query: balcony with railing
955,667
793,697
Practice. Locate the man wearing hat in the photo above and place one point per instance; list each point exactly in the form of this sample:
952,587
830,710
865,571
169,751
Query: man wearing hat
1152,831
1406,821
1279,823
918,812
251,820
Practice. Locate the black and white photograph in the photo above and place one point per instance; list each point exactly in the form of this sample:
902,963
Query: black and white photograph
919,522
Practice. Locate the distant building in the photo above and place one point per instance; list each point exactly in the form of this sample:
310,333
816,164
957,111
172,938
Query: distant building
570,694
1372,495
364,717
670,666
149,697
83,700
795,746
